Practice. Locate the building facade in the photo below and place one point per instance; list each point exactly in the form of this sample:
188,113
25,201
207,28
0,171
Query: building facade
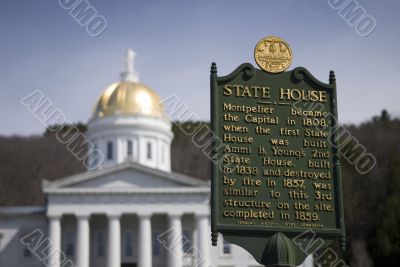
128,209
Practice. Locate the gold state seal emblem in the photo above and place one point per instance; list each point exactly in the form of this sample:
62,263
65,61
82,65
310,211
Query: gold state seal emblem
273,54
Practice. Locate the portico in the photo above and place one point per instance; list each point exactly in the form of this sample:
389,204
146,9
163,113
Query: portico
92,200
143,245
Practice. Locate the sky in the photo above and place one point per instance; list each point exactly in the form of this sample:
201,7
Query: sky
44,48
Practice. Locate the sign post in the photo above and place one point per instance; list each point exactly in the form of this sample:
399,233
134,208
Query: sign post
276,182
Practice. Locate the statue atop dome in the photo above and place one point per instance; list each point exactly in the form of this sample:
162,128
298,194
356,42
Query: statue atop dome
130,74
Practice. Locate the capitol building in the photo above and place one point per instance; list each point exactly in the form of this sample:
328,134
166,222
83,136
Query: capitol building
128,209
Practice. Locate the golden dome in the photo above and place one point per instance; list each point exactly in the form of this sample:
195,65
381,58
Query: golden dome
129,98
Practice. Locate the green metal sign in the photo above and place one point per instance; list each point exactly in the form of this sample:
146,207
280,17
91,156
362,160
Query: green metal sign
276,171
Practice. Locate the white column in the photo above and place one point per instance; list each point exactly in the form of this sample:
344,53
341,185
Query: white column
145,247
175,256
83,235
203,240
114,241
55,240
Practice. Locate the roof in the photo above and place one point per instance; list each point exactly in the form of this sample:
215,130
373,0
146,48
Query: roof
129,98
22,210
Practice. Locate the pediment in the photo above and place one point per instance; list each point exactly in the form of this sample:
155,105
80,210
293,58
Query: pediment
126,176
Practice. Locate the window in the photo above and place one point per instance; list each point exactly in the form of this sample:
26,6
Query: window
70,246
27,252
100,250
94,156
128,244
129,148
187,242
109,150
156,244
149,152
226,249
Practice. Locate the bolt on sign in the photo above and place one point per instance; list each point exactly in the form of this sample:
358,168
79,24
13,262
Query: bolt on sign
276,179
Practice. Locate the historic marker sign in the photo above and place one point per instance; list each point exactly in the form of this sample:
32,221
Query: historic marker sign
276,166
